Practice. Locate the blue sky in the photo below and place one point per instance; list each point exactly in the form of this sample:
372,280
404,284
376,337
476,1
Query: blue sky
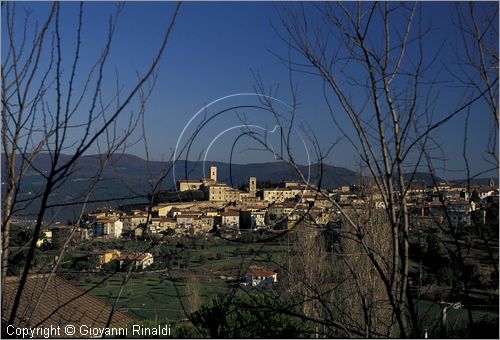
213,48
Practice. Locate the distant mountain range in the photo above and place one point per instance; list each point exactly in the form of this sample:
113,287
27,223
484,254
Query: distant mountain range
127,178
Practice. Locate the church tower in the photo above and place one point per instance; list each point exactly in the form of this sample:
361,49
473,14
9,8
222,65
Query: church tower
213,173
252,185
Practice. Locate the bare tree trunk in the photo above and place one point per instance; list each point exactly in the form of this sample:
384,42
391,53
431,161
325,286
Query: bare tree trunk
25,84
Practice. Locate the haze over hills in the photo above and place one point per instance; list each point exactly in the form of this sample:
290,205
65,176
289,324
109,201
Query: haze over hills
128,167
126,178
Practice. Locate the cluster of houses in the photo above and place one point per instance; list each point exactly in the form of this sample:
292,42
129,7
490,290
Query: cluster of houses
231,211
225,209
454,204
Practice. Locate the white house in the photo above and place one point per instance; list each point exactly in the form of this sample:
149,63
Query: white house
230,219
109,228
260,278
140,261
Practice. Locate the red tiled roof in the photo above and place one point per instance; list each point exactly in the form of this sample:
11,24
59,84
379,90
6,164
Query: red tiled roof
230,213
261,272
61,304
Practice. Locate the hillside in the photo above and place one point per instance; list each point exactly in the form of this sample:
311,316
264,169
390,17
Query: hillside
127,178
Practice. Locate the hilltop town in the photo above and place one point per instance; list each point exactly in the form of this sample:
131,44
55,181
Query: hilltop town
207,236
229,213
250,170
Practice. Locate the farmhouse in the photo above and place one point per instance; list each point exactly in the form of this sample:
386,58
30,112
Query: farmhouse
260,278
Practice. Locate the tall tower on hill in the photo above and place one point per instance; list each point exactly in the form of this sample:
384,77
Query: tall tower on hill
213,173
252,185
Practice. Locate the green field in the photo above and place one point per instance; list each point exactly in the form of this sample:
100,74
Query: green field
161,295
151,297
160,292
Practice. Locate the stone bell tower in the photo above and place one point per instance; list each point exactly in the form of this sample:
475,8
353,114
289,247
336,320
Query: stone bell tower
213,173
252,185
